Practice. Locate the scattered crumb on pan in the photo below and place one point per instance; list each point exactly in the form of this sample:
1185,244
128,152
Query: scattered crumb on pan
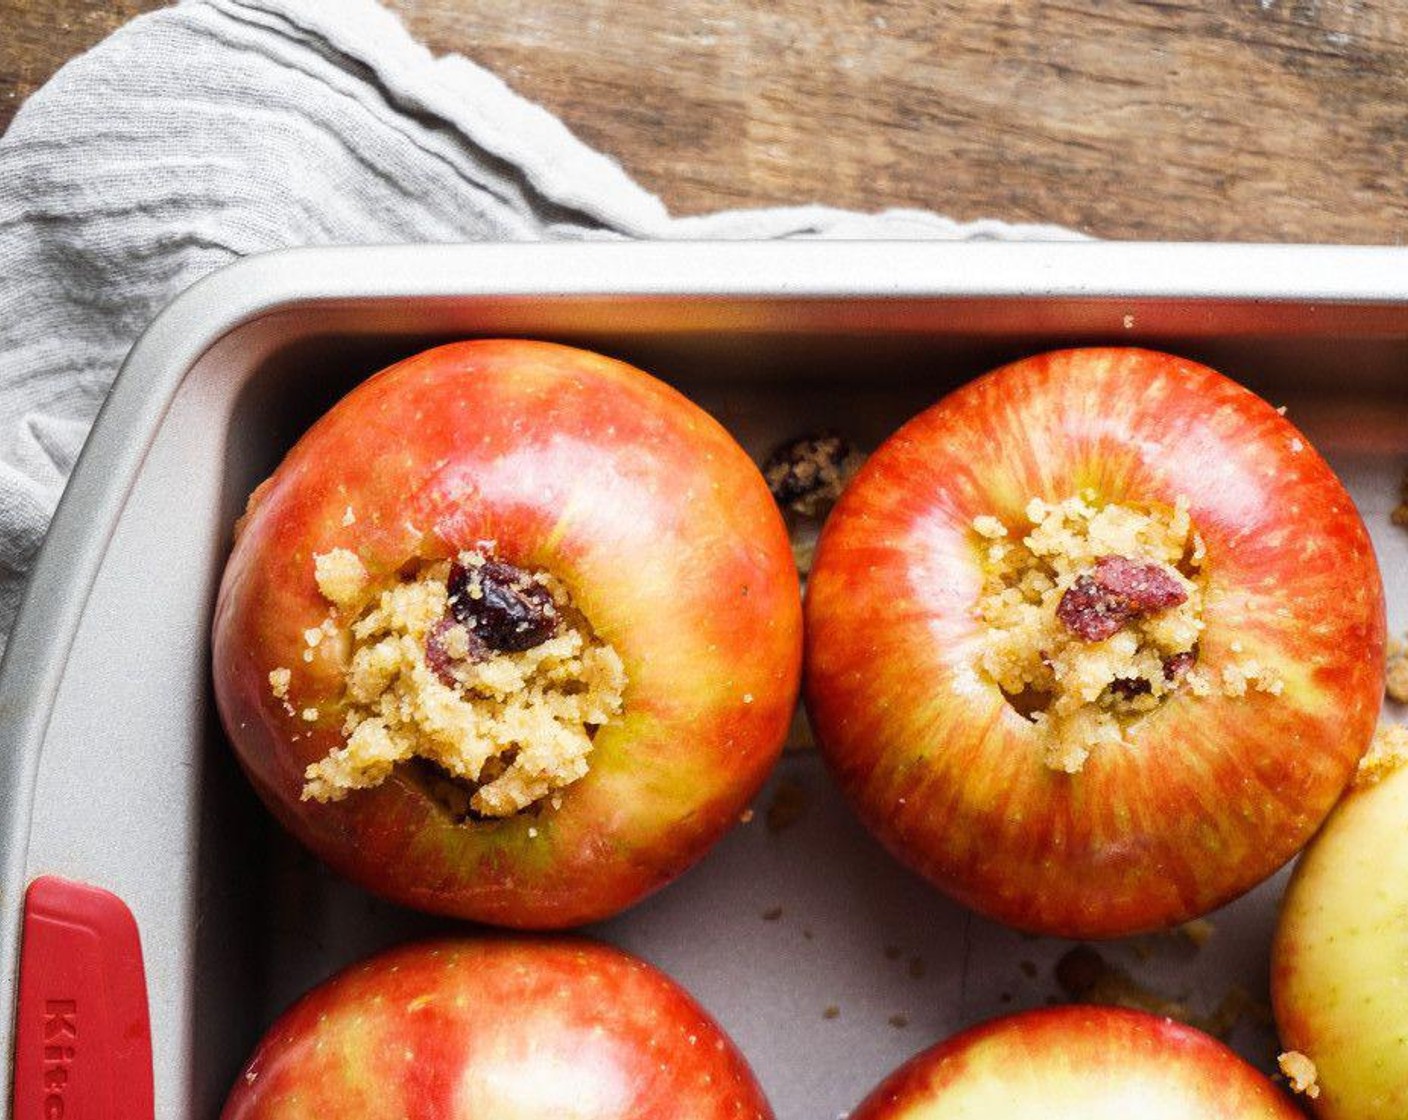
1181,941
773,914
832,1012
1399,513
1085,976
788,806
899,1022
806,476
1197,933
1300,1073
1396,671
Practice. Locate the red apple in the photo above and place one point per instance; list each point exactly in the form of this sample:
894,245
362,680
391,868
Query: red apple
1339,969
1077,1063
634,501
499,1030
1205,792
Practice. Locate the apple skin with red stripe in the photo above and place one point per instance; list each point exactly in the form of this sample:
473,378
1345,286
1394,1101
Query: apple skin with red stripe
1217,791
1078,1063
513,1029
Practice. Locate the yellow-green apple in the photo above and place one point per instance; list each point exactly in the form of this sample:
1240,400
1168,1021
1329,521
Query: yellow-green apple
501,1030
513,633
1077,1063
1339,975
1095,642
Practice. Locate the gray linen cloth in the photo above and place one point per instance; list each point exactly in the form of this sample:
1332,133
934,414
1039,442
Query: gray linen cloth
218,128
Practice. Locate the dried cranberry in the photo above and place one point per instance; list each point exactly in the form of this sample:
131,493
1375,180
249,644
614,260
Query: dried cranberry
1178,664
1143,587
1112,593
441,663
1089,611
511,612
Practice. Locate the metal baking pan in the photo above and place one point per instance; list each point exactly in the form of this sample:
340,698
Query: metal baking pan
115,772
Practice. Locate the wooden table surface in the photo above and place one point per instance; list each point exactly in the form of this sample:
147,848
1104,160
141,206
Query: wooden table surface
1260,120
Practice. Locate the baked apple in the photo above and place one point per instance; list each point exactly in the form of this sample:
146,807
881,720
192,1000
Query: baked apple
1095,642
1077,1063
512,634
1339,967
521,1029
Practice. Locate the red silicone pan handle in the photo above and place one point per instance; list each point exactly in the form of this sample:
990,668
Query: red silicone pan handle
83,1041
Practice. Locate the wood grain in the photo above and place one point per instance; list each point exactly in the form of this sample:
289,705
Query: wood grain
1274,120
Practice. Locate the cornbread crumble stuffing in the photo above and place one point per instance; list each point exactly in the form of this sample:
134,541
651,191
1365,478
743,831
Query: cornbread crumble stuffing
1300,1072
1093,620
1396,672
1387,752
481,678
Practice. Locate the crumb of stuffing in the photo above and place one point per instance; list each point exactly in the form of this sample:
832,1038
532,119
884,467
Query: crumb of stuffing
341,577
1085,976
1094,614
804,533
807,475
1399,514
1198,932
788,806
279,680
1388,751
1396,672
501,729
1300,1072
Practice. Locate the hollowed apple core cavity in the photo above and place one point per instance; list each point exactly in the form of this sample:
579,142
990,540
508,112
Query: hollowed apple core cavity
1092,614
476,680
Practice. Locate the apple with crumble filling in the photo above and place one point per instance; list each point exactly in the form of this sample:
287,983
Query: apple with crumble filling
512,633
1095,642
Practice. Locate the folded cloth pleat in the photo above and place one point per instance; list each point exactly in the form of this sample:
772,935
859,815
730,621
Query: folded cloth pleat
220,128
